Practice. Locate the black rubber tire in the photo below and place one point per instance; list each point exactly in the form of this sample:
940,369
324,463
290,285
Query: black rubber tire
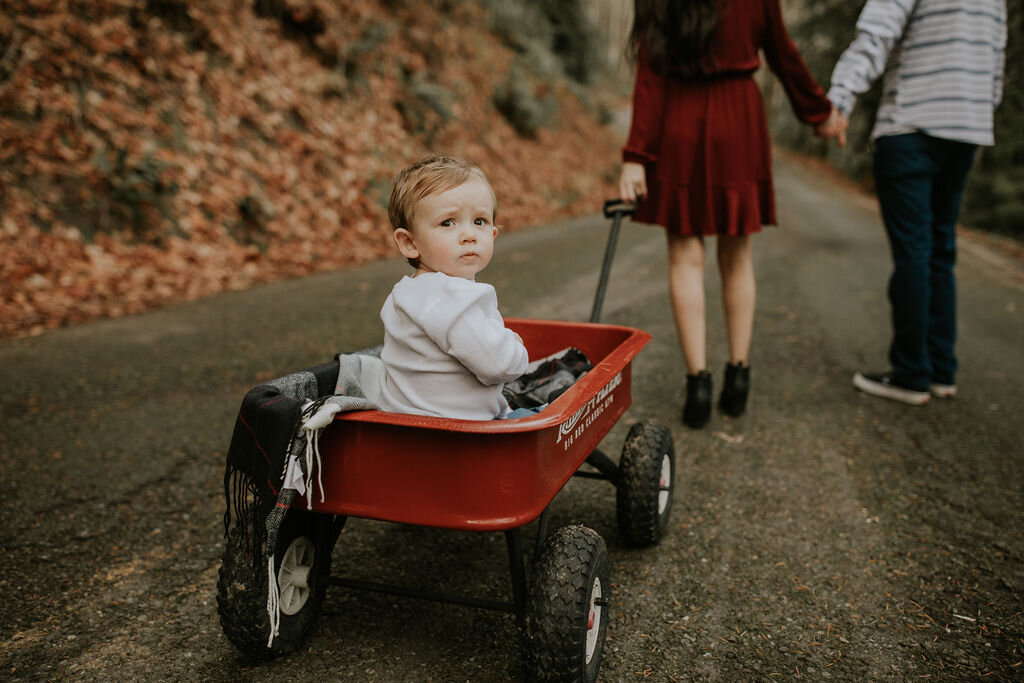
242,587
643,514
559,607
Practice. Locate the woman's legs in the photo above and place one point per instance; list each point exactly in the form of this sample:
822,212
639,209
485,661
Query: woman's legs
686,286
736,265
686,289
739,292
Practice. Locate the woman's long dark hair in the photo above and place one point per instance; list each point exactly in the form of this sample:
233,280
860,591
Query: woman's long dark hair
674,34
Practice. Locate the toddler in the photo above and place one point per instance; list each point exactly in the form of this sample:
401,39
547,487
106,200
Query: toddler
447,352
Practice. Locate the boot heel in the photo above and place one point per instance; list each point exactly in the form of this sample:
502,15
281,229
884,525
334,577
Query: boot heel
697,409
735,389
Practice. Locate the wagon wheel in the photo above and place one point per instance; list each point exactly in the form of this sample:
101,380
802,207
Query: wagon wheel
302,560
567,609
646,482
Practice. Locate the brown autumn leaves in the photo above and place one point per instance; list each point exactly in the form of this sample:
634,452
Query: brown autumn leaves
155,151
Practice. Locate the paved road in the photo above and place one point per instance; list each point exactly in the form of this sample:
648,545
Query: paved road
824,535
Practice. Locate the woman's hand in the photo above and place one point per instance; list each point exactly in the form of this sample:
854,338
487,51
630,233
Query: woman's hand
833,127
632,182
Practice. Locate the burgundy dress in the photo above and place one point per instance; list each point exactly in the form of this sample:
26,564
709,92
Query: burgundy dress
705,142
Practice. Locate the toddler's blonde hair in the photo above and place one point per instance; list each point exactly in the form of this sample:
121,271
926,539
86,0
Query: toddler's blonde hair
427,177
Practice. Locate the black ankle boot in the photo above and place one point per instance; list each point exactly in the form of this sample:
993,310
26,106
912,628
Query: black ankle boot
697,409
733,400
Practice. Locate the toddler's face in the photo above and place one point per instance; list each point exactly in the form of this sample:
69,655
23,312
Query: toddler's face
452,232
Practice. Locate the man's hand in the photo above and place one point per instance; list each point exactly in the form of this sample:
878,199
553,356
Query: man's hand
833,127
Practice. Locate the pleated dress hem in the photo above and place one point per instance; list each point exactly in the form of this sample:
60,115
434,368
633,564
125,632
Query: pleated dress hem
735,209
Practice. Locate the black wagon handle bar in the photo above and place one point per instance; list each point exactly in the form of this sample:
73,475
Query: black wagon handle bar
620,206
614,209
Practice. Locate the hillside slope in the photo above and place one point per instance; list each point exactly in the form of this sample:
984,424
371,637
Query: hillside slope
155,151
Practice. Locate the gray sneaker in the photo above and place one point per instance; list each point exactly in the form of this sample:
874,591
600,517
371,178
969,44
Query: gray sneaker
882,384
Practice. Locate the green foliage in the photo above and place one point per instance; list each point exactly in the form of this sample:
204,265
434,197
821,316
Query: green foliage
554,38
356,57
250,228
379,188
133,191
575,39
995,191
557,27
425,107
521,105
520,23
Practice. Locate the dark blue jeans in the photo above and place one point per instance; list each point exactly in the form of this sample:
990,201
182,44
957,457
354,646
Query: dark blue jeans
919,181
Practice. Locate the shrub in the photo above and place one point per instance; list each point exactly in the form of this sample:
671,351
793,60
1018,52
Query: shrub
133,191
558,27
425,108
517,100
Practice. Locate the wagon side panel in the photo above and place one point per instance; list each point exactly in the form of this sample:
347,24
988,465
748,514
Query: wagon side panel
429,477
460,480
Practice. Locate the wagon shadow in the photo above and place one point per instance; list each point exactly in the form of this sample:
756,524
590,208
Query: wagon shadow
462,641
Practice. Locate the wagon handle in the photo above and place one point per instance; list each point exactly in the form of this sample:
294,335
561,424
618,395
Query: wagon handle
614,209
618,206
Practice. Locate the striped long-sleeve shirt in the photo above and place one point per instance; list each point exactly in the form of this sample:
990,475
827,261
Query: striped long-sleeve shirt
943,63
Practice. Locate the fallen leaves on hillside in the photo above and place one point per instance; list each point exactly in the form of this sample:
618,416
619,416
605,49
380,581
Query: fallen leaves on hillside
154,151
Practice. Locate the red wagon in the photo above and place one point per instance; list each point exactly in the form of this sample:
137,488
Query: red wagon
497,475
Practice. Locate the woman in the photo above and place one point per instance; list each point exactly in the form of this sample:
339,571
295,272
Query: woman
699,158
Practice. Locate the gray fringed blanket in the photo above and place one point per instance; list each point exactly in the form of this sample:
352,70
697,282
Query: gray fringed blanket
273,451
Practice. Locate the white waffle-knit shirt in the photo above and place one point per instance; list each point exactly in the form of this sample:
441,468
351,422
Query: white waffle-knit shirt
447,352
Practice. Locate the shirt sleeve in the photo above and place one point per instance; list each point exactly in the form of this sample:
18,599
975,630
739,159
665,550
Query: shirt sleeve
648,114
466,325
487,348
805,95
879,28
1000,65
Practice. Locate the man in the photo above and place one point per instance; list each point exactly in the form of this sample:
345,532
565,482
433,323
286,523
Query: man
943,64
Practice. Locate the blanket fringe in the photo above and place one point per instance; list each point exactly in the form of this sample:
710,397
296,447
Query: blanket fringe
273,601
313,458
242,510
273,524
315,416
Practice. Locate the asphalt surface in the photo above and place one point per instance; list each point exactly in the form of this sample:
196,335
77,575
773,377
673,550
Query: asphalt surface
824,535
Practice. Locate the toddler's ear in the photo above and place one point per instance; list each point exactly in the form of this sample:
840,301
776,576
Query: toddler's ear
405,243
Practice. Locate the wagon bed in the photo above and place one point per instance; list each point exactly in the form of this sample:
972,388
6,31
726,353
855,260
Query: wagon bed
480,475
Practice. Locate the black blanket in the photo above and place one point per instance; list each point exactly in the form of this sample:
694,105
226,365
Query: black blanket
265,432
